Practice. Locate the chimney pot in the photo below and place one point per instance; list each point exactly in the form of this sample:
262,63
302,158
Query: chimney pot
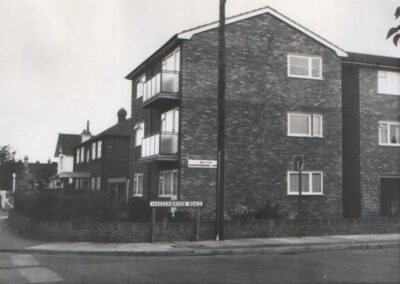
121,115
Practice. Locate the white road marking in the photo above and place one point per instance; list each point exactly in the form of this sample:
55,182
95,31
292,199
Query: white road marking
24,260
30,272
39,275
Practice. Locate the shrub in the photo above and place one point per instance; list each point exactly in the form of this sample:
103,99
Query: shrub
240,212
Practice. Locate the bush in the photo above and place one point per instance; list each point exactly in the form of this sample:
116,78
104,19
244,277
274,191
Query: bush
62,206
240,212
268,212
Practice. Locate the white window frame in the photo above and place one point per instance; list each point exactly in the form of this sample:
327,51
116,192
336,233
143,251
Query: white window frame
82,158
388,123
383,76
78,155
172,180
98,183
175,121
140,86
139,128
99,149
311,118
310,184
309,58
94,151
176,54
136,191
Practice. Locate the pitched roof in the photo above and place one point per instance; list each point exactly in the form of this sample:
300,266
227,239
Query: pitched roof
120,129
66,143
187,34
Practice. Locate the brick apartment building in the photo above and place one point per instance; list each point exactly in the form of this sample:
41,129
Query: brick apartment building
371,135
283,98
101,161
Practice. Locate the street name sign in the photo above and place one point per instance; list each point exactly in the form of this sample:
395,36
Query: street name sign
206,164
176,203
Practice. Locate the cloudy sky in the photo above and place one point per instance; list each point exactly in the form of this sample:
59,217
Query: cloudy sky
63,62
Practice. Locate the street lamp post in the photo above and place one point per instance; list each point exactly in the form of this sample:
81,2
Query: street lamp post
221,125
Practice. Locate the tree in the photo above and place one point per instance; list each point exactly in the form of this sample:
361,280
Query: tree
7,154
395,31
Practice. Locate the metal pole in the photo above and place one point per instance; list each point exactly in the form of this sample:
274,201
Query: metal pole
221,124
153,224
197,224
300,191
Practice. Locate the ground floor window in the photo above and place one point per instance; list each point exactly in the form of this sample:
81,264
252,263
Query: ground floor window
98,183
168,184
312,183
93,183
138,185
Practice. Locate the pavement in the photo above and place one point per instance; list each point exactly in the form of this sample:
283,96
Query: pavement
11,241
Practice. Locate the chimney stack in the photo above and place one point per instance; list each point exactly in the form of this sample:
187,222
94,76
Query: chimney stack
86,135
121,115
26,161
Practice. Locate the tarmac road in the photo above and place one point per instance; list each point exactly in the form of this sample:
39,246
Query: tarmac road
353,266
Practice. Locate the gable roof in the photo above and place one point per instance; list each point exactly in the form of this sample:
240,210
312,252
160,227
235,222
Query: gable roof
120,129
66,143
187,34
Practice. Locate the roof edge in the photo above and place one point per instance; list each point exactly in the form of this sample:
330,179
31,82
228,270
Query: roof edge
187,34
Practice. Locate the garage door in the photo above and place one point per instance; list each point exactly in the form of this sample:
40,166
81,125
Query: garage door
390,197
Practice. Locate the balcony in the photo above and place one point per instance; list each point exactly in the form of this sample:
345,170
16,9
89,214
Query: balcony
162,90
162,146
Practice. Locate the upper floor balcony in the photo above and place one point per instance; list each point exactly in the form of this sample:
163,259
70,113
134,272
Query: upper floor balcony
162,146
162,90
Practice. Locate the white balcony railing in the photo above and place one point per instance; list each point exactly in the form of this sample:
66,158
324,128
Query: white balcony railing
163,82
164,143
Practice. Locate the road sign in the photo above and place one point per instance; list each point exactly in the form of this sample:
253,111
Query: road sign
207,164
176,203
298,162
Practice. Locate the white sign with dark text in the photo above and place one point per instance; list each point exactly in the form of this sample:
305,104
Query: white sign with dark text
176,203
207,164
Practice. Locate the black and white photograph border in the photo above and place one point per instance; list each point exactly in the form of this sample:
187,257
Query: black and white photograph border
213,141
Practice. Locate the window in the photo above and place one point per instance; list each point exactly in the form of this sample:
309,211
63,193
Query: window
309,125
88,155
82,158
93,183
170,121
94,151
77,184
172,61
388,82
312,183
99,149
138,185
168,183
389,133
139,128
98,183
305,67
78,155
139,86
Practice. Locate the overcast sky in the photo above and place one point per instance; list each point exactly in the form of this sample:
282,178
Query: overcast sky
63,62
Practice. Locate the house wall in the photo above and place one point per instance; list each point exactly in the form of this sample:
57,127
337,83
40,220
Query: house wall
375,160
351,141
65,163
259,95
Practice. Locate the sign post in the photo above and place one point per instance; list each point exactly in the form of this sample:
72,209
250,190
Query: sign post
298,162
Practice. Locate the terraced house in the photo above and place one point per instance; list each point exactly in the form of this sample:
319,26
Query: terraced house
101,161
371,135
283,98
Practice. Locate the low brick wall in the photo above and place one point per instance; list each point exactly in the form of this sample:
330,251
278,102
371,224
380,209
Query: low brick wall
141,232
